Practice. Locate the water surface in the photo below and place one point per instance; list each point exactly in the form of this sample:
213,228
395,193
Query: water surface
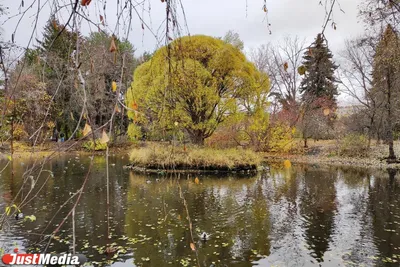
299,216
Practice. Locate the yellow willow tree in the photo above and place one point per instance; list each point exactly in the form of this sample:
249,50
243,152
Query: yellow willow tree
193,85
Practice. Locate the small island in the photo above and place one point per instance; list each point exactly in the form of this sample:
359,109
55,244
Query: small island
156,158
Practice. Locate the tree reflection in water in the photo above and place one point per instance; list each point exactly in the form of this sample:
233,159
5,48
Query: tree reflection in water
297,216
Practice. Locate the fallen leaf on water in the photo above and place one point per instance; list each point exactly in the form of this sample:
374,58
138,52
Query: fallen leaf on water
196,180
287,164
192,246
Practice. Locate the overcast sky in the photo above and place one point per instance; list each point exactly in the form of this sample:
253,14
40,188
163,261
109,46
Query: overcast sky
303,18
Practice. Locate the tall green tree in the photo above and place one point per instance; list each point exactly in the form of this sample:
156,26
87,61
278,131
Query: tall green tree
319,78
194,84
54,60
318,88
386,80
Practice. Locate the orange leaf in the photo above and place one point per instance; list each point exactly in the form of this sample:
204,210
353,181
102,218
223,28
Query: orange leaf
196,180
87,129
113,47
134,106
55,26
285,66
327,111
192,246
117,109
85,2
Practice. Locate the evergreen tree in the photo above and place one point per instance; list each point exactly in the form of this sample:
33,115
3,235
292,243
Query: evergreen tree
54,55
56,40
318,91
319,79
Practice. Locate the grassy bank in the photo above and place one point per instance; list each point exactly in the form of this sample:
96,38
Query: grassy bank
326,152
167,157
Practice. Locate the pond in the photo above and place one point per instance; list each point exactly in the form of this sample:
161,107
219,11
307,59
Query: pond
305,215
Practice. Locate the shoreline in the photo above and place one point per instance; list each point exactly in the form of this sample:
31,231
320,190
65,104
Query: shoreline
322,157
369,163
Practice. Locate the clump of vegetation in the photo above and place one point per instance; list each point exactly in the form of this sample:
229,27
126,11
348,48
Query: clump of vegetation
134,132
354,145
96,145
281,138
182,157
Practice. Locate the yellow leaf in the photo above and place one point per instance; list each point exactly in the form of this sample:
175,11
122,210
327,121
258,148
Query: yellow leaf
196,180
15,207
287,164
114,86
104,138
301,70
8,210
87,129
327,111
192,246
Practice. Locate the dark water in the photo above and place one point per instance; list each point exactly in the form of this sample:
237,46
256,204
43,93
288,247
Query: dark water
298,216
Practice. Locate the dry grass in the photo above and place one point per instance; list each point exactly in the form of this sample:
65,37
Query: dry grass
179,157
326,152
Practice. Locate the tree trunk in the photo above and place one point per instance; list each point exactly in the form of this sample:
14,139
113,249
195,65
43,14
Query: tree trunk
392,156
371,123
198,137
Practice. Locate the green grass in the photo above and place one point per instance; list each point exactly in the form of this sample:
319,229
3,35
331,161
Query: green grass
157,156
